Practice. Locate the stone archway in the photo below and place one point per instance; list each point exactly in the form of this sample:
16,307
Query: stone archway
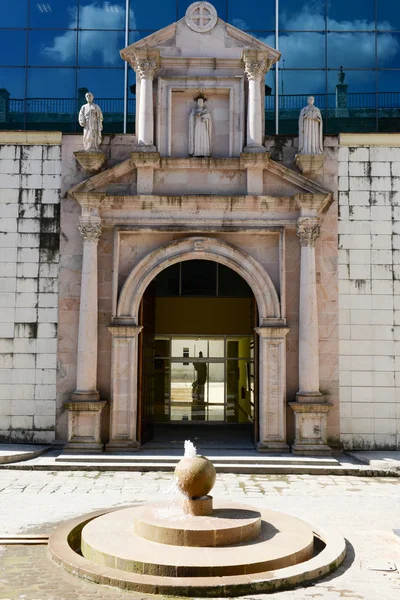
125,330
199,248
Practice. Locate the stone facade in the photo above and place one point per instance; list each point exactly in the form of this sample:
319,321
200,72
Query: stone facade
30,181
369,272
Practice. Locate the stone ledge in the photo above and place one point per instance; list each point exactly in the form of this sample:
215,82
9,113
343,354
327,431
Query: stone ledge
31,138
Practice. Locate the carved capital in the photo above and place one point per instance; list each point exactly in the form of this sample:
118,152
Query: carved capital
90,230
256,69
308,230
145,67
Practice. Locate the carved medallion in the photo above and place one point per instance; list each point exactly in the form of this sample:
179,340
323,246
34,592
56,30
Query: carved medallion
201,17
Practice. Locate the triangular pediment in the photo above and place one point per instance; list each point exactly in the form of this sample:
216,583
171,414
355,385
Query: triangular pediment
221,41
120,180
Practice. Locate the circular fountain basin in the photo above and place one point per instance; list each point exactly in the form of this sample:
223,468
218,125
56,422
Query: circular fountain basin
118,548
165,524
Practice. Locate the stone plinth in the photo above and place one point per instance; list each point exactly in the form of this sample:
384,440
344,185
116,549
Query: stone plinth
165,524
84,421
310,164
90,161
311,425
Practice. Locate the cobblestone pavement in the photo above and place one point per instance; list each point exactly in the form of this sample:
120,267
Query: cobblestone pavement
364,510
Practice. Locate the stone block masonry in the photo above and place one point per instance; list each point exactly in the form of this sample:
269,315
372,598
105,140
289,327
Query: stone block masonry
30,173
369,291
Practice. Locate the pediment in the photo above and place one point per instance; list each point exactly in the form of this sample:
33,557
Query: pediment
222,41
119,181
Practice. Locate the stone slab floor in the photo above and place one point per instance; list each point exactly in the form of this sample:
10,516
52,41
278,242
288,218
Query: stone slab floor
364,510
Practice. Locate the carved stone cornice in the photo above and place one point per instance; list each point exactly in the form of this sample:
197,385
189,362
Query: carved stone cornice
145,67
90,230
308,230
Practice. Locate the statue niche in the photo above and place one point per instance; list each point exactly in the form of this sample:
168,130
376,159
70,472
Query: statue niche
200,129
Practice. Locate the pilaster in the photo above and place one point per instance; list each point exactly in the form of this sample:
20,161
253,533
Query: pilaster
124,397
272,389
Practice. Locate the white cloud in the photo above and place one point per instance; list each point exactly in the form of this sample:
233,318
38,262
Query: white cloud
97,15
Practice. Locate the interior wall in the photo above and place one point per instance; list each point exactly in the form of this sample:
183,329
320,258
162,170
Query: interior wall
204,316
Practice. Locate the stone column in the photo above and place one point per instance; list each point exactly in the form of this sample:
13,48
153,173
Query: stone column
310,409
308,231
255,70
272,389
84,409
145,71
86,379
124,396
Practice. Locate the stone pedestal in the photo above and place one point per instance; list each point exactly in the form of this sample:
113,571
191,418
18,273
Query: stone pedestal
310,164
90,161
145,163
311,425
254,164
84,426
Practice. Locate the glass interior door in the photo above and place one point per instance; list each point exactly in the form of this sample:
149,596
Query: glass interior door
204,380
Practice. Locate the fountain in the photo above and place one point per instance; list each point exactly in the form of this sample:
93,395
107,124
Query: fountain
196,547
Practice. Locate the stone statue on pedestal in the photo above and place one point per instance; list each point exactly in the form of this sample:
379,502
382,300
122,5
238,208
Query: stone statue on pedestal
310,129
91,119
200,130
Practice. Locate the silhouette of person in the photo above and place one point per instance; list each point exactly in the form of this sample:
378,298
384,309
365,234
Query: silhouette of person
198,387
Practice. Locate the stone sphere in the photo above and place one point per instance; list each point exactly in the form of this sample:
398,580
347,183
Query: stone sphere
195,476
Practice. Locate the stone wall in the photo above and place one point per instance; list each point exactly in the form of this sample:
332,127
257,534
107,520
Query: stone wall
30,173
369,290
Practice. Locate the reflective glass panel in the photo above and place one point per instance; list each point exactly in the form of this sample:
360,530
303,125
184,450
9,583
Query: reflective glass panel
295,87
194,347
389,50
351,50
388,15
220,6
14,14
52,48
12,47
100,48
357,15
389,101
51,83
60,14
267,37
302,16
102,15
136,35
352,108
12,92
302,50
141,16
254,14
104,83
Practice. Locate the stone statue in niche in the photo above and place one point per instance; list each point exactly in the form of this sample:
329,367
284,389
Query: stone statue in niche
200,129
310,129
91,119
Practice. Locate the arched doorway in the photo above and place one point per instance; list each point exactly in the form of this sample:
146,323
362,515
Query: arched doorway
125,329
197,356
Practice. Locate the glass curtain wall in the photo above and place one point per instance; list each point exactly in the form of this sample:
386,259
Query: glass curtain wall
346,54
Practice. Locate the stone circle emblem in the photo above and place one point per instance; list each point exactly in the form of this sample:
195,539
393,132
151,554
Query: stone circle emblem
201,16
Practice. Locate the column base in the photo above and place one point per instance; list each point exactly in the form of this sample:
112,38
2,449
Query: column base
311,450
84,425
122,446
311,416
278,447
144,148
85,397
255,148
